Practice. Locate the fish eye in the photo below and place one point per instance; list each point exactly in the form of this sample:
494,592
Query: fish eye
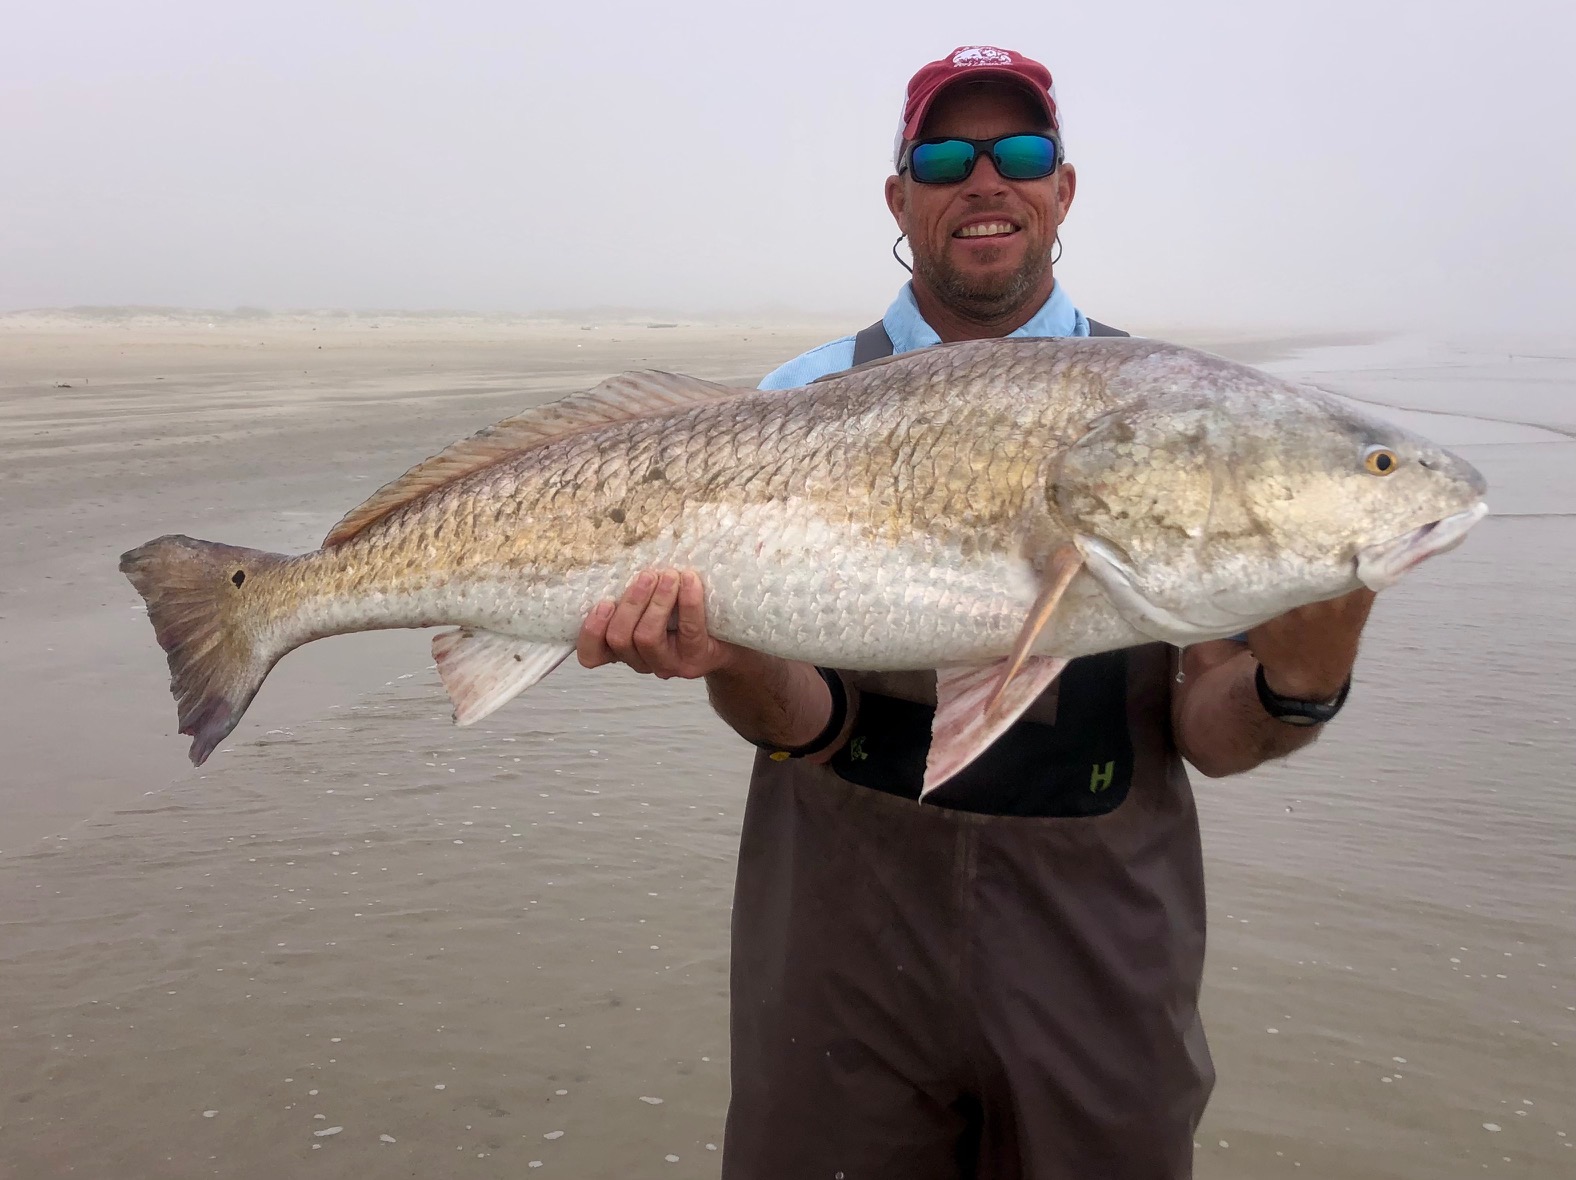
1380,460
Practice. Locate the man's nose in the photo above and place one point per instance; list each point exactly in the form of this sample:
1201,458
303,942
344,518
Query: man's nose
984,181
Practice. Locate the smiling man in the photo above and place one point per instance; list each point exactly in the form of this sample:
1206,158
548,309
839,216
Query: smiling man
982,246
1000,983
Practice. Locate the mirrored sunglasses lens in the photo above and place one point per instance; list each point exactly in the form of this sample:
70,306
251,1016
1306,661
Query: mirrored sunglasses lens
1025,157
941,163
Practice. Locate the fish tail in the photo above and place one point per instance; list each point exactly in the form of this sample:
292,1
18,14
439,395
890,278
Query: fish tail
209,607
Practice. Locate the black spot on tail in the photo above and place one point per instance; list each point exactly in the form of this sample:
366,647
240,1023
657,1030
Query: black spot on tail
238,577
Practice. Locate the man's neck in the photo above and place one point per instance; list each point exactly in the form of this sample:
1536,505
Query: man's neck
953,324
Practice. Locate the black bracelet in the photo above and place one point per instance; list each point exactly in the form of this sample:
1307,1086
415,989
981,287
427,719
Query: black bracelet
1296,712
834,724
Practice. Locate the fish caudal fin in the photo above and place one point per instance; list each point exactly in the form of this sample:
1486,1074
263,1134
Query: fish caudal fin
201,600
482,670
975,706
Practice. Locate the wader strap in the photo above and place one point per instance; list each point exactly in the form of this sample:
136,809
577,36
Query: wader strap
872,343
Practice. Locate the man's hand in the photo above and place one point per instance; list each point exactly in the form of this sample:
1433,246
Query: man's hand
635,630
763,698
1307,654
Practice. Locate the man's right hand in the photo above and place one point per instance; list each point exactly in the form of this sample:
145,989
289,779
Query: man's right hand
763,698
635,629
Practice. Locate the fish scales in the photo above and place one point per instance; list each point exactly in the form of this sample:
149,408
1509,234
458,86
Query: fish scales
777,468
727,483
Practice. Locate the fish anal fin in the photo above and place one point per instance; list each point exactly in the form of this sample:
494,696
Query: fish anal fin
618,399
482,670
974,708
1060,570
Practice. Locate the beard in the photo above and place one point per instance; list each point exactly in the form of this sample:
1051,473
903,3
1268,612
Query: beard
979,298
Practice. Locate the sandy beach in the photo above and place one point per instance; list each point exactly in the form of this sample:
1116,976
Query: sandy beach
360,942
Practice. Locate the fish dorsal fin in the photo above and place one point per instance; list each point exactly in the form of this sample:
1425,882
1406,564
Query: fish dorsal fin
618,399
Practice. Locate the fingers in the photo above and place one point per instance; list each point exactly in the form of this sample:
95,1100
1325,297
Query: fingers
651,638
639,629
626,615
591,644
692,641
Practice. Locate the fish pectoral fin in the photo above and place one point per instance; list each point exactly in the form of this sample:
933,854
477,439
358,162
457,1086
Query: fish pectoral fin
483,670
1063,566
975,706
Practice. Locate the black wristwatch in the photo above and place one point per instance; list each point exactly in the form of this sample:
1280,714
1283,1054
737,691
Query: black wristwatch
1298,712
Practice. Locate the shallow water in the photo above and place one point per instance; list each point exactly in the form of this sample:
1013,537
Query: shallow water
472,951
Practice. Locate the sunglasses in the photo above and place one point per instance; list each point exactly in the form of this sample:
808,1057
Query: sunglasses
948,161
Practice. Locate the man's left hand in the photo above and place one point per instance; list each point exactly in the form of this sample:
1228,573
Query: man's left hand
1308,652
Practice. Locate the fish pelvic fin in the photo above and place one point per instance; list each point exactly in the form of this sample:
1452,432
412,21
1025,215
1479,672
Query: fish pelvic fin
202,601
483,671
974,708
618,399
1062,568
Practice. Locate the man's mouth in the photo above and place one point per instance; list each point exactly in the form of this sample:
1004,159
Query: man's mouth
986,229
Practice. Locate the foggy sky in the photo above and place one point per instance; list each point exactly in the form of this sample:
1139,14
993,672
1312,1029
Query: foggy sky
1256,163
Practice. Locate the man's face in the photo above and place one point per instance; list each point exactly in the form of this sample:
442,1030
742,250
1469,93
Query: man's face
983,245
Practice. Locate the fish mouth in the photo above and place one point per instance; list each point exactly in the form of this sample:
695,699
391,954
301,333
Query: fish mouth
1382,566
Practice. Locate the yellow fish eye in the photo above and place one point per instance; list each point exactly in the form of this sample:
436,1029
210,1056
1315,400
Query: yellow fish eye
1380,460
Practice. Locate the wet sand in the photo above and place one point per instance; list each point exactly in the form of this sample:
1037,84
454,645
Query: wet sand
508,945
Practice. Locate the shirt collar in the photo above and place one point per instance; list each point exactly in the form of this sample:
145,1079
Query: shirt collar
908,330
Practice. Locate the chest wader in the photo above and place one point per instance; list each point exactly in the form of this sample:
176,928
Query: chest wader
1000,983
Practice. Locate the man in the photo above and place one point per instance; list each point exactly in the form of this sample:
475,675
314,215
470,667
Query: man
1003,981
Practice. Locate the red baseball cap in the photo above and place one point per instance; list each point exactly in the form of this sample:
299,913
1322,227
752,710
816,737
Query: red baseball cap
969,63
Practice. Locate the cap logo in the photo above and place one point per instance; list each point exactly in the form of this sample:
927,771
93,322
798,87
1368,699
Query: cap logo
981,55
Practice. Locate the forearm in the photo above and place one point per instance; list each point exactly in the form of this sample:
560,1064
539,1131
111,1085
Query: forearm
1221,727
766,699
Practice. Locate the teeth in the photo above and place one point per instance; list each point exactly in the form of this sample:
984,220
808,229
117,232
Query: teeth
986,229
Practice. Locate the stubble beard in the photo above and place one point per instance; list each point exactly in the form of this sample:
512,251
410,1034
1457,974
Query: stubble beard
983,300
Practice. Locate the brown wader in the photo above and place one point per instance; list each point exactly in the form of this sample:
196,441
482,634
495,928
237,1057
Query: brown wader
1002,984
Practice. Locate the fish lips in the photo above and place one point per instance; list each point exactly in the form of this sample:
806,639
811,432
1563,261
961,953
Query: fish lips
1382,566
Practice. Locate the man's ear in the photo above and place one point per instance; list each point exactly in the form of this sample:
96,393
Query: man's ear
895,199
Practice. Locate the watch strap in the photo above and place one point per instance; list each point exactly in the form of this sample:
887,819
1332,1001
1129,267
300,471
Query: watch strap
1293,711
828,735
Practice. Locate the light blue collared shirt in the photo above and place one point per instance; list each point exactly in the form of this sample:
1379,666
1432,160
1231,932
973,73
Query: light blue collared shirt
909,331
